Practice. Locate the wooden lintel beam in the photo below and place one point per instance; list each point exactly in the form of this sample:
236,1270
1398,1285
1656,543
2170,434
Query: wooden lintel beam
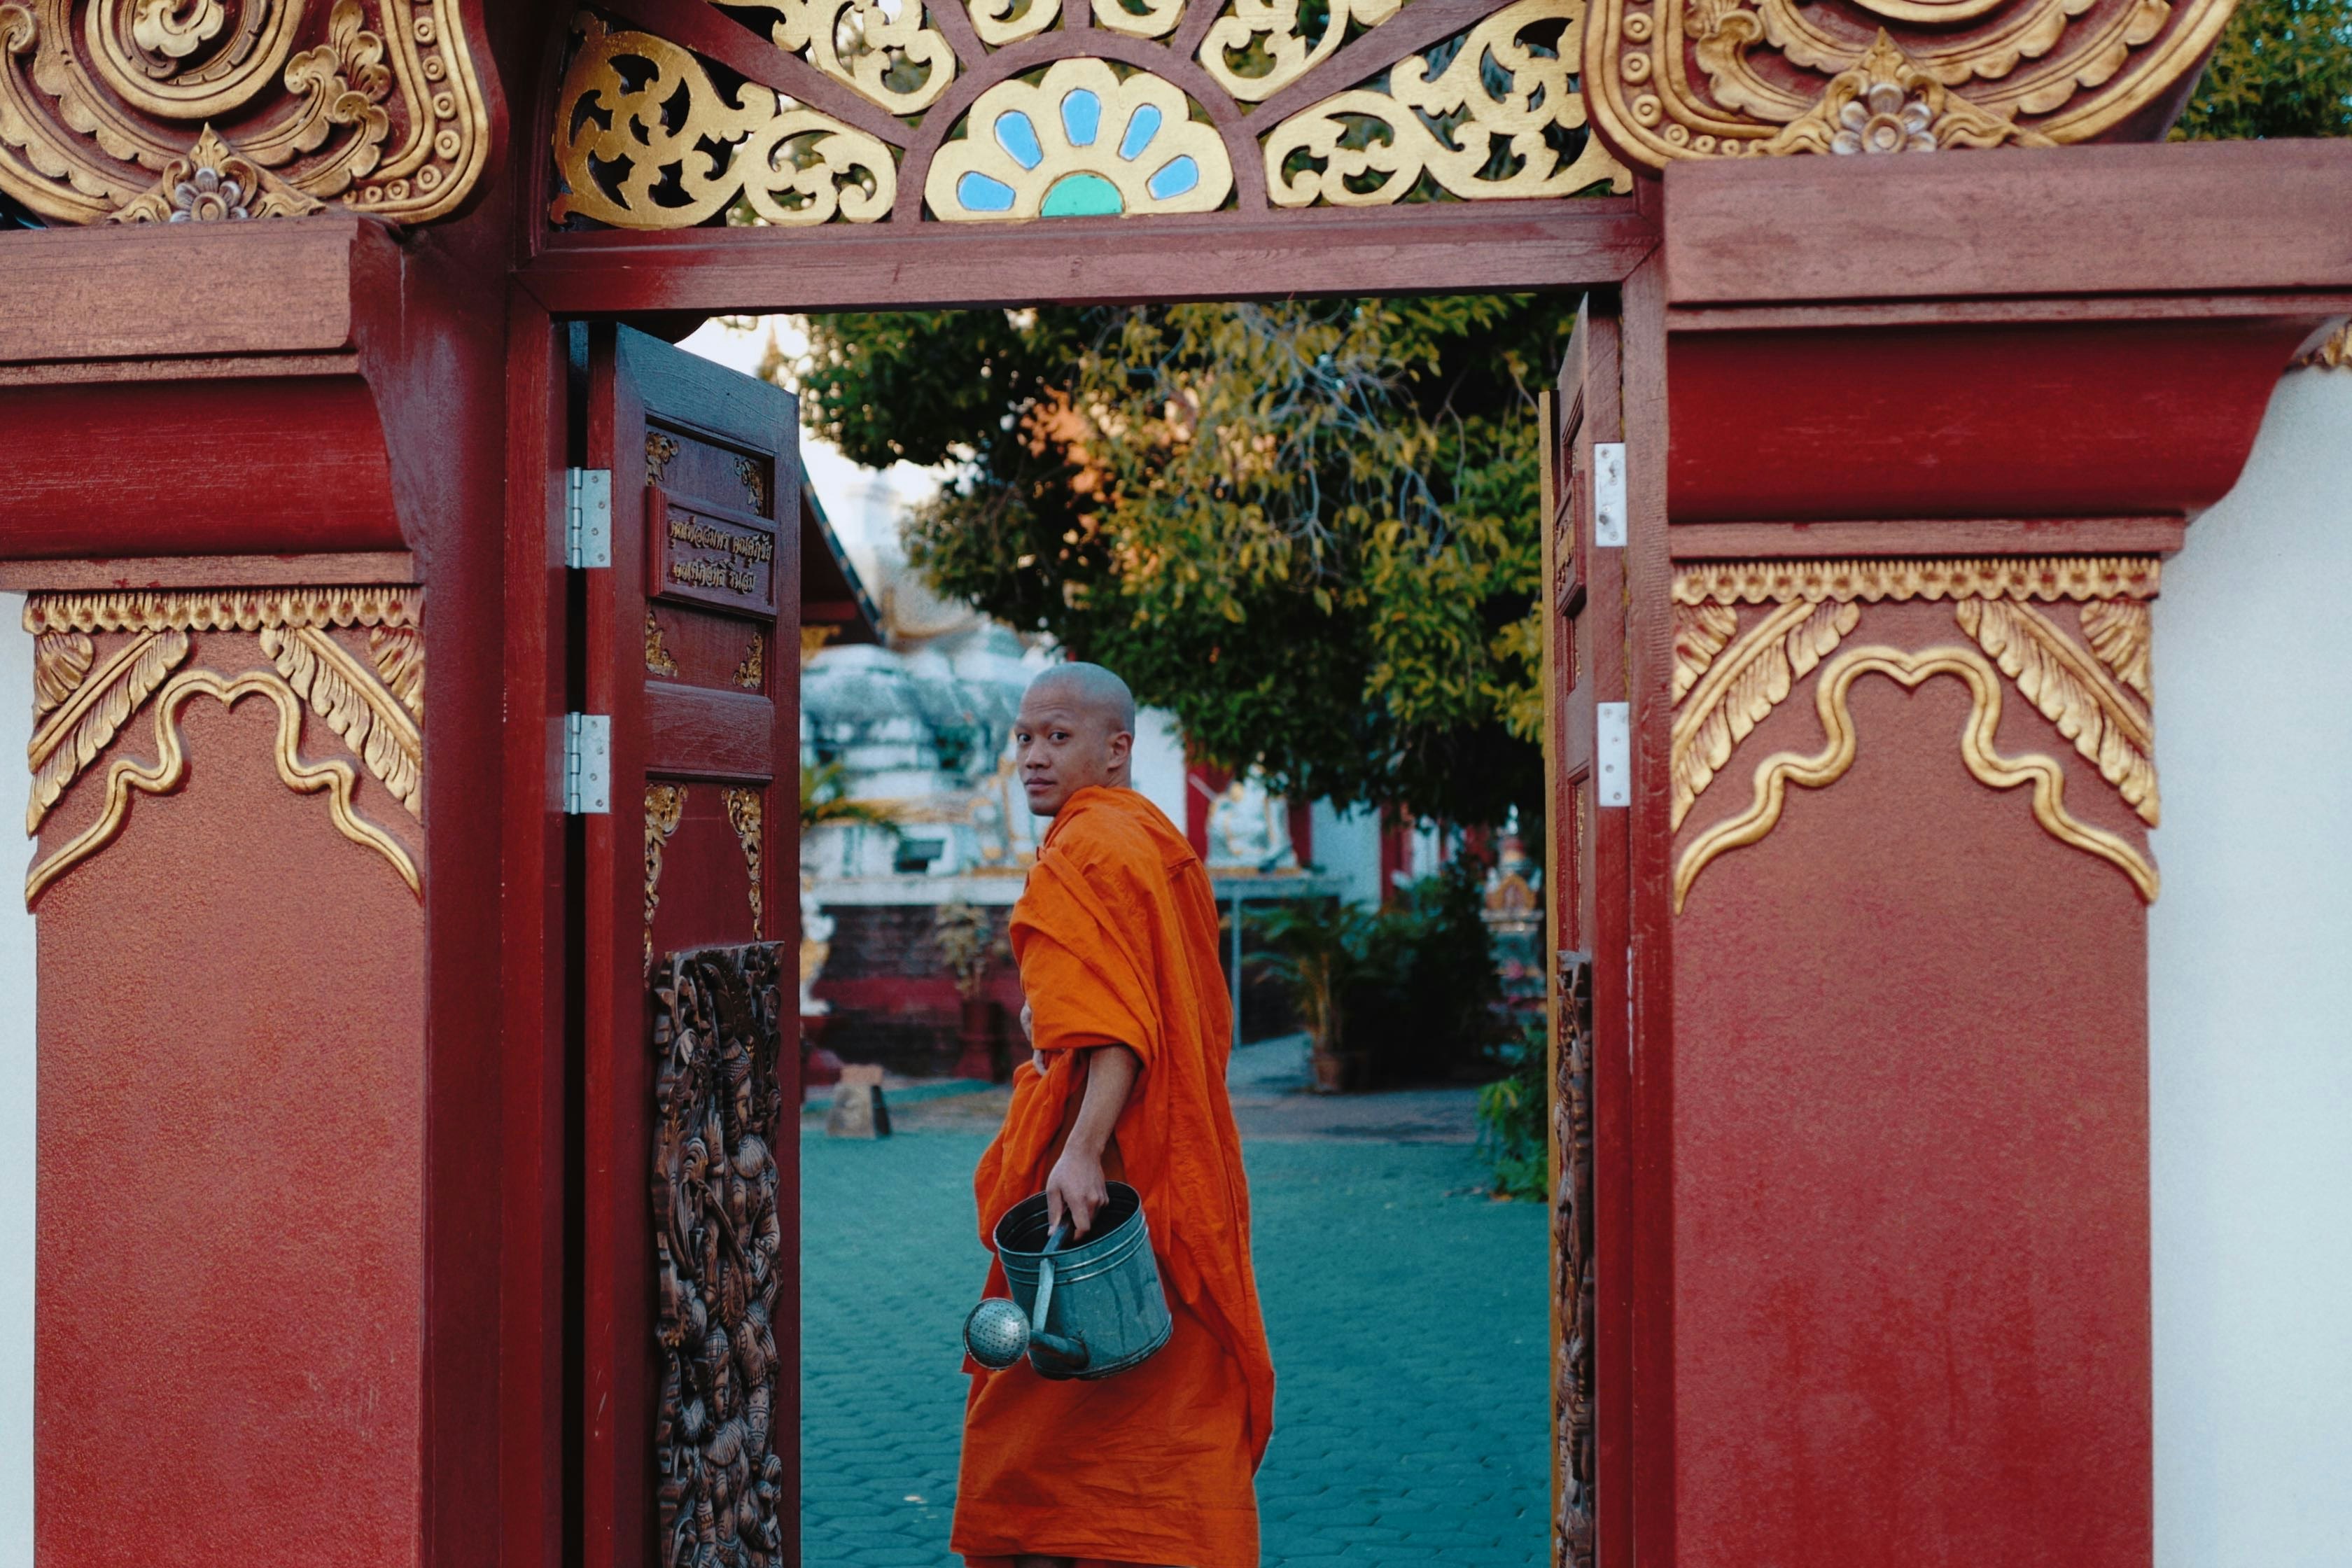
1433,248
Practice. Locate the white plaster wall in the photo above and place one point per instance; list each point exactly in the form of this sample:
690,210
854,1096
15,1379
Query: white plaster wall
1157,769
2250,993
1348,850
16,1086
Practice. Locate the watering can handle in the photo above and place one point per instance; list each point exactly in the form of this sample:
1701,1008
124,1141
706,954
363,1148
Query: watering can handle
1046,1277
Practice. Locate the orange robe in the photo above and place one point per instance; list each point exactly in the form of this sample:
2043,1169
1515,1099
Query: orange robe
1116,934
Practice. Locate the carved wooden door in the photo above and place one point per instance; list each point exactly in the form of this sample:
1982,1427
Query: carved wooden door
688,920
1585,742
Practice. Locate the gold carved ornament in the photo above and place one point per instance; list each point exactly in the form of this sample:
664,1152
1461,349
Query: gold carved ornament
745,813
83,703
1727,681
665,806
2335,352
1683,79
659,660
201,110
751,674
646,137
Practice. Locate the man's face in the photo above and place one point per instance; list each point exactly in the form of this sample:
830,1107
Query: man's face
1061,745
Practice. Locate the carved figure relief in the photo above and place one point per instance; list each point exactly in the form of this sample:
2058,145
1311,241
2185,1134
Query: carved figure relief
1572,1252
917,113
86,696
1730,677
717,1238
1685,78
208,111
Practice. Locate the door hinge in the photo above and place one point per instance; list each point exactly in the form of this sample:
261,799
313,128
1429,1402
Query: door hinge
587,764
1613,773
1609,495
588,517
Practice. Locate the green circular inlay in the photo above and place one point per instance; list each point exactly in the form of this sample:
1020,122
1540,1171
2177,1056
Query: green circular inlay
1082,195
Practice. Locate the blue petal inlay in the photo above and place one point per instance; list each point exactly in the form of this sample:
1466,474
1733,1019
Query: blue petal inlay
1018,136
1081,116
1175,178
1141,127
979,194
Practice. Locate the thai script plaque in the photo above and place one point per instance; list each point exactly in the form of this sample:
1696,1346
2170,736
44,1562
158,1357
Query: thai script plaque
705,554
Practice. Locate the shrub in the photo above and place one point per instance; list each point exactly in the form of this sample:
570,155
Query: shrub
1512,1136
1424,1006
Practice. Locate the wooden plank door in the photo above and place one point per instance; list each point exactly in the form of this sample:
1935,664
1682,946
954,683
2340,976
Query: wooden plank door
691,646
1586,837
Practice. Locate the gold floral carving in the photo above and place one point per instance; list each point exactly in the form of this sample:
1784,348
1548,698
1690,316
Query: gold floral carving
880,47
755,483
752,673
745,812
2334,353
1139,18
1739,689
1001,22
1508,106
657,656
61,662
1258,48
2037,577
377,726
2072,691
117,108
661,447
1700,632
169,770
2118,632
665,805
1142,146
1984,763
1683,79
82,726
658,144
376,704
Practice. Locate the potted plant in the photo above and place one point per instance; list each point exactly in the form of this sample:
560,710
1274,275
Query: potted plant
1318,946
960,931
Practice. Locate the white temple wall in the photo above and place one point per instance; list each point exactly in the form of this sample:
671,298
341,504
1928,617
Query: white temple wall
17,1088
2250,995
1158,767
1348,849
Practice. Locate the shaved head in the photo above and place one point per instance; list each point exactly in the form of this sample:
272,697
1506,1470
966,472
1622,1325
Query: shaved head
1076,731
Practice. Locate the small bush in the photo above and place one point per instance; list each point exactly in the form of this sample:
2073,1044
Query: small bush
1424,1007
1512,1135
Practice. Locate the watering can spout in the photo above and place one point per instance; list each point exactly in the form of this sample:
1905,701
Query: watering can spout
1114,1316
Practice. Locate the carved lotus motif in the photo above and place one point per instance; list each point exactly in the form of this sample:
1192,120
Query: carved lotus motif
1884,120
207,196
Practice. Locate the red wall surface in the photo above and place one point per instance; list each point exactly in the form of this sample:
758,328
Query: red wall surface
231,1267
1910,1153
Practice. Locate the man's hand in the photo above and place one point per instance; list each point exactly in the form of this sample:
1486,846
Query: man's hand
1074,1188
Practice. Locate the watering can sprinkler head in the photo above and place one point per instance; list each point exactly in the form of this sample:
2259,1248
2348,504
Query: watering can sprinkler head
998,1332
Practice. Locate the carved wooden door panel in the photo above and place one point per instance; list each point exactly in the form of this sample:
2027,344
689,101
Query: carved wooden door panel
1584,672
688,916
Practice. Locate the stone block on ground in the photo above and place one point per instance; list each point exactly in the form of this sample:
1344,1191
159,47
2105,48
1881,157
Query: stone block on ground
859,1109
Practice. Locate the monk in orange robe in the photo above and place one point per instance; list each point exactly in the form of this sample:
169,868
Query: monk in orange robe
1116,934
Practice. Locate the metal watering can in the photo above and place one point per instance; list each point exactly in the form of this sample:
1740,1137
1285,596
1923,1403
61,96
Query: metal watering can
1084,1311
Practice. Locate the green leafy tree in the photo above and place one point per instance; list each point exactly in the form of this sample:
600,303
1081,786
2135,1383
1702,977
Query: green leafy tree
2283,67
1306,529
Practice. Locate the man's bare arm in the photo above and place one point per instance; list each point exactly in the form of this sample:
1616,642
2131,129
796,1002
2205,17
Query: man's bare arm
1076,1186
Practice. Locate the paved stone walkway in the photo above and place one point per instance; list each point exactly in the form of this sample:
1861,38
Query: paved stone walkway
1408,1321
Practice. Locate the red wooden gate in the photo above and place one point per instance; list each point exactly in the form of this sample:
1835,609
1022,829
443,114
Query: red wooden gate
690,647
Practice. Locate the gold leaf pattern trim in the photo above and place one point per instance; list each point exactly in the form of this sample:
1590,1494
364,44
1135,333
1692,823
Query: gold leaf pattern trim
884,51
755,483
380,731
81,727
1501,93
168,770
2041,577
2070,689
745,812
1700,632
1002,22
752,673
1743,686
2119,633
661,447
658,655
109,108
224,610
1984,763
2335,353
60,662
665,805
1265,36
399,655
794,167
1886,103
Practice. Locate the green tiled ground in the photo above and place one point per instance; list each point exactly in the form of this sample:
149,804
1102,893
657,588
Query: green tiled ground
1378,1262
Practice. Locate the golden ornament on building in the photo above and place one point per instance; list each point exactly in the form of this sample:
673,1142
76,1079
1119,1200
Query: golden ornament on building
151,111
1695,78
